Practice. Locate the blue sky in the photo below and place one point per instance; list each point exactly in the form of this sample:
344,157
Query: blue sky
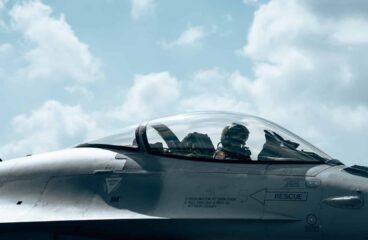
75,70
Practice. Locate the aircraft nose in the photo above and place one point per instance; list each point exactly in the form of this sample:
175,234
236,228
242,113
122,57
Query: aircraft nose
347,213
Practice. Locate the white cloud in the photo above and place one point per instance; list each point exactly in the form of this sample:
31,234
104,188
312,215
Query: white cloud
5,48
241,84
219,102
80,91
216,81
215,89
57,52
208,81
208,75
351,32
192,36
151,94
141,8
50,127
307,54
309,74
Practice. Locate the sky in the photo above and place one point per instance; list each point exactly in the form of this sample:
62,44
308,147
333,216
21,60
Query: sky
77,70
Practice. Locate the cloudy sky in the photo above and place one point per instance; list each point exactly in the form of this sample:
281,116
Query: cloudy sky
76,70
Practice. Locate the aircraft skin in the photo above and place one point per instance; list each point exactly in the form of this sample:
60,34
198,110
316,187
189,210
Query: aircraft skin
96,192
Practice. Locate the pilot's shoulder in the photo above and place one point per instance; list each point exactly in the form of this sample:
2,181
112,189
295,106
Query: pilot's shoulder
219,155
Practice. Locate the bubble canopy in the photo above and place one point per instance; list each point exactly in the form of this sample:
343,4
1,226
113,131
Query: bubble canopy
216,136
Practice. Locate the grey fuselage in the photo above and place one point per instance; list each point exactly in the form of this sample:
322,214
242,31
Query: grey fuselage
92,193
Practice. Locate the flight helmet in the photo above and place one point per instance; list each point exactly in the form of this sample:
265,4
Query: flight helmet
234,136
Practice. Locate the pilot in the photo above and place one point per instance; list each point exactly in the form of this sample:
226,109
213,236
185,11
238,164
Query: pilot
232,145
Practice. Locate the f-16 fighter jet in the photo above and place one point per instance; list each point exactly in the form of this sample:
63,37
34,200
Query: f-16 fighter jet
207,175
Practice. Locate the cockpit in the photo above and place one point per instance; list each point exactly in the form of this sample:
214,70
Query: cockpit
215,136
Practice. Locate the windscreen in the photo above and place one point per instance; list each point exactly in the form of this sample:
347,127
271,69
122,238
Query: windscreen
124,138
224,136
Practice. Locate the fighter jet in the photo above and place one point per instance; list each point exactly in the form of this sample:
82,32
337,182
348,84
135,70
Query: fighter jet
206,175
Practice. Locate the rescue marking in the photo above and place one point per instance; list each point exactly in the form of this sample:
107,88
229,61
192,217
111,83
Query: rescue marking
112,183
264,195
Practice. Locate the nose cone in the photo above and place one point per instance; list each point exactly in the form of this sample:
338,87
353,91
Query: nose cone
345,203
357,179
